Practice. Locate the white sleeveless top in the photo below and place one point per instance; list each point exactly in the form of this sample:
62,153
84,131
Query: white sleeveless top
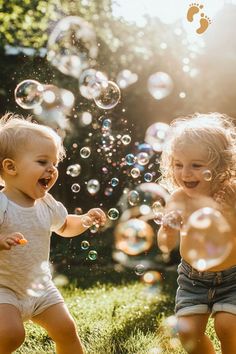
23,265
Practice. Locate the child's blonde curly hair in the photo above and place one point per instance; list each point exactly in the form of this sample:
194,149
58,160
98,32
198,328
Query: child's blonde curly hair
215,131
16,132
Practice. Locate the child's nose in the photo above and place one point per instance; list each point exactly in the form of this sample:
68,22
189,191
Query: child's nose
186,172
51,168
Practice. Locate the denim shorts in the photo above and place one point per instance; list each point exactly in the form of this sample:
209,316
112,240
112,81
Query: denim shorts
205,292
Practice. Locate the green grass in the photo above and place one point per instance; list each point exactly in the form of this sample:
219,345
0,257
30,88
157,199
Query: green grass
116,319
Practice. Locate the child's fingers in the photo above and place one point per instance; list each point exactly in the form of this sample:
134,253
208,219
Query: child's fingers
18,238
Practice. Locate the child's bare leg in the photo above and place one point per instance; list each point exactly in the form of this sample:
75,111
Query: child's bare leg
12,332
192,334
225,327
61,328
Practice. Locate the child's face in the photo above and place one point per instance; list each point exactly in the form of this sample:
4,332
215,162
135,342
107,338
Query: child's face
35,170
190,162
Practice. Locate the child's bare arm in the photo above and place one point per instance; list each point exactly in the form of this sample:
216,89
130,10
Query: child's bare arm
77,224
169,232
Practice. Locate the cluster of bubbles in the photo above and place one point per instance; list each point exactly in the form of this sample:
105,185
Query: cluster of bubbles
50,103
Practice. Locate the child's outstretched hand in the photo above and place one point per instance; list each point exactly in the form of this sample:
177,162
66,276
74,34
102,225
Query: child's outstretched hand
11,240
97,216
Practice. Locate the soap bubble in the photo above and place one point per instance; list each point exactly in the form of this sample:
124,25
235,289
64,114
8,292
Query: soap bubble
75,188
208,240
91,83
29,94
73,170
93,186
109,95
92,255
126,78
113,214
126,139
207,175
85,152
139,269
143,158
156,135
160,85
135,172
71,45
134,236
85,245
114,182
133,197
130,159
148,177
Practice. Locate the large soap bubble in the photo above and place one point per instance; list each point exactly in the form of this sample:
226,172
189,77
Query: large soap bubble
134,236
29,94
109,95
160,85
156,135
207,240
71,45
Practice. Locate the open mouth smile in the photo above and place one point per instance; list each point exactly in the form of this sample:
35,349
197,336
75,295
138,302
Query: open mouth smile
191,184
44,182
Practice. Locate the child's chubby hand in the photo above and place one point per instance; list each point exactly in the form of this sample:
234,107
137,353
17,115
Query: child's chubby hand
172,220
97,216
10,240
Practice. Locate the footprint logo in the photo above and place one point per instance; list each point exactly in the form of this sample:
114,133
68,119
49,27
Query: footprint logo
204,23
193,10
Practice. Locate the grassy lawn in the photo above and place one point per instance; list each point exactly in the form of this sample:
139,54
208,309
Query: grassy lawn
125,318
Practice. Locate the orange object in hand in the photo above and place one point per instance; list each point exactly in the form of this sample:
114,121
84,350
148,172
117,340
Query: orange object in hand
22,241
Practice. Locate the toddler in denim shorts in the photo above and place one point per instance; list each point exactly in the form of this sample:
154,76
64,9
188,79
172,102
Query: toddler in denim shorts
205,292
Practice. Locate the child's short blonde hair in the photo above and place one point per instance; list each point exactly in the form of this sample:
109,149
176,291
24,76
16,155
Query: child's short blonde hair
16,132
216,132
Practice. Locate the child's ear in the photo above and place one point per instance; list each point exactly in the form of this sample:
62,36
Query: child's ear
9,167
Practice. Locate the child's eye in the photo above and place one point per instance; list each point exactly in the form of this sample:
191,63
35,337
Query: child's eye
42,162
195,165
178,165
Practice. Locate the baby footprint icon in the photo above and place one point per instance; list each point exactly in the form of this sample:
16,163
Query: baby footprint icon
204,23
194,8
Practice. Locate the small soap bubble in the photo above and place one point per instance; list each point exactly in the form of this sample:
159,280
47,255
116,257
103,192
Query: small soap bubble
75,188
126,139
139,269
114,182
143,158
130,159
94,228
135,172
207,175
133,197
148,177
29,94
85,152
113,214
109,95
85,245
92,255
73,170
93,186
